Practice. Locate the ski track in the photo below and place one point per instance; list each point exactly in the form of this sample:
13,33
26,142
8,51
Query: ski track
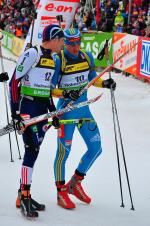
102,183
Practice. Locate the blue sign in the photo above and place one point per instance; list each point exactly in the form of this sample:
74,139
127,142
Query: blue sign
145,58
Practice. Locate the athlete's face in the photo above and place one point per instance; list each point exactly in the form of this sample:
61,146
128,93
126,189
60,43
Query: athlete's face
56,45
73,49
59,44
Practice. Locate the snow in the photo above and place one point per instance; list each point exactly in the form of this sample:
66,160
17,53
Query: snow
102,181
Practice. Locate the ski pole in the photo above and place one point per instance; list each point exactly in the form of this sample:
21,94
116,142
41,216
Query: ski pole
123,153
106,53
9,59
6,93
29,45
115,117
6,105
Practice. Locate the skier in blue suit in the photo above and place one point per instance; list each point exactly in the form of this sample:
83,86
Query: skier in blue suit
77,69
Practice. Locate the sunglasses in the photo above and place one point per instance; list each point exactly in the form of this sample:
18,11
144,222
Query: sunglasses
74,39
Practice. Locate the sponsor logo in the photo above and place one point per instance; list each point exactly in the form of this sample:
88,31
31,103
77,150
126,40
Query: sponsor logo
145,62
20,68
34,129
41,92
91,38
47,62
124,47
95,138
59,8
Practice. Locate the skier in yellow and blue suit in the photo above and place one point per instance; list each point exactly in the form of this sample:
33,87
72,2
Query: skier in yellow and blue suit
77,69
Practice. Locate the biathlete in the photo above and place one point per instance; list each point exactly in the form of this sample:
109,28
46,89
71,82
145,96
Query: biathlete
77,69
30,89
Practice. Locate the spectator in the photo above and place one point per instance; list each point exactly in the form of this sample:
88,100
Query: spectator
109,14
14,12
119,22
18,31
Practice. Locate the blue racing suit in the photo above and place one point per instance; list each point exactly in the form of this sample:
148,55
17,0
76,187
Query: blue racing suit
81,66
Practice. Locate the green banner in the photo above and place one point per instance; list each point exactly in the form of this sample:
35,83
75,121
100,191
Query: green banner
7,41
94,42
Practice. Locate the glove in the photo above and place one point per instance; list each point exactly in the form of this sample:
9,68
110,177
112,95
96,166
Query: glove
109,84
55,122
4,77
18,122
71,94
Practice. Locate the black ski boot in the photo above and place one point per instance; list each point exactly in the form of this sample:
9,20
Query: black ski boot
35,206
25,205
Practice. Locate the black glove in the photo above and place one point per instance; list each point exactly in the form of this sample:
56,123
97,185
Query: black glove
18,122
4,77
55,122
71,94
109,83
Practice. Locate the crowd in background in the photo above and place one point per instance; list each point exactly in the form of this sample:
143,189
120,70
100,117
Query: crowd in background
115,15
16,16
110,15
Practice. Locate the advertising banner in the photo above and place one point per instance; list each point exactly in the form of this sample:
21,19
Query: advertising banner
17,46
143,61
122,43
47,13
7,40
94,42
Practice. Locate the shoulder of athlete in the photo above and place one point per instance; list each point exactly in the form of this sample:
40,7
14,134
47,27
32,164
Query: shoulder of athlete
90,56
26,61
56,58
57,61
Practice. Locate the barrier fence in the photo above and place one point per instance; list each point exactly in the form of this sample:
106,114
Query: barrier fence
136,62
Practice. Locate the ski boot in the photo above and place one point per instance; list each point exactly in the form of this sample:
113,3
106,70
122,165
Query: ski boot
34,204
25,205
63,199
75,188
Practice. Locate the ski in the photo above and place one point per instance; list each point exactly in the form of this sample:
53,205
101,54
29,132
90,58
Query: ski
10,127
75,121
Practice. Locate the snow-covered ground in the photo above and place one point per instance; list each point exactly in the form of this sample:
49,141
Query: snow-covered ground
101,183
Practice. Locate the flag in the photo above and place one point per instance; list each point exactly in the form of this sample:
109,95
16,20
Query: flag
98,14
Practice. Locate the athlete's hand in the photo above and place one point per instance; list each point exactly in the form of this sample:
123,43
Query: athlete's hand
71,94
55,122
4,77
18,122
109,84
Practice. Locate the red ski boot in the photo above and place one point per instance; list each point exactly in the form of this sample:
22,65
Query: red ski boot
63,199
75,188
